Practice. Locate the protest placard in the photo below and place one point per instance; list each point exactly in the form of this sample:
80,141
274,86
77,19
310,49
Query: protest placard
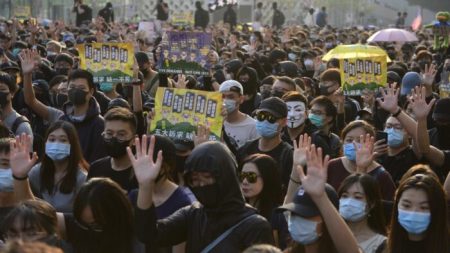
149,29
108,62
185,18
358,74
180,111
22,12
444,87
185,53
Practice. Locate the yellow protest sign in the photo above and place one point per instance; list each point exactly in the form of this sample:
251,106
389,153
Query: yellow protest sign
180,111
22,12
358,74
108,62
444,87
184,18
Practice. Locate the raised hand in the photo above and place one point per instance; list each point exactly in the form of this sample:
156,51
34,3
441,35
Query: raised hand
202,135
379,148
19,156
429,74
389,102
145,168
314,182
300,149
181,82
419,105
364,152
27,60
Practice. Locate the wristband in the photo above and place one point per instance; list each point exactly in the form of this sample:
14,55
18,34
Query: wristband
20,178
296,182
397,113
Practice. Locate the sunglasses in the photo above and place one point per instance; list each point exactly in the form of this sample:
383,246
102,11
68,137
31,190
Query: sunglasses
261,116
251,177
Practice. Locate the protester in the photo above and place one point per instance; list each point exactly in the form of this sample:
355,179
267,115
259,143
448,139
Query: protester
230,16
83,13
278,16
107,13
201,16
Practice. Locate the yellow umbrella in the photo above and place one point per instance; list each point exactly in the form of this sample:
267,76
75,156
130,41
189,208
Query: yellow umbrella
355,51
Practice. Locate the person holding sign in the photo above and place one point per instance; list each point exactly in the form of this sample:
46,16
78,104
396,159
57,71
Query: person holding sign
238,126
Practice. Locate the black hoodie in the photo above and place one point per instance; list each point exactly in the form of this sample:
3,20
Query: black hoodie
199,225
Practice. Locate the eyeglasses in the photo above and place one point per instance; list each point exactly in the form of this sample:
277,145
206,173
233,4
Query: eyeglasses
251,177
261,116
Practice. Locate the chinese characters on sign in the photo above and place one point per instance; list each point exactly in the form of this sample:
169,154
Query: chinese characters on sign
180,111
108,62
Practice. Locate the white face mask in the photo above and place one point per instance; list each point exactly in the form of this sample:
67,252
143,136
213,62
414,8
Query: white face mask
302,230
6,180
296,113
309,64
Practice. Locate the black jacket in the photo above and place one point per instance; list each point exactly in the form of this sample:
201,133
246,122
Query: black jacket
89,130
199,225
201,18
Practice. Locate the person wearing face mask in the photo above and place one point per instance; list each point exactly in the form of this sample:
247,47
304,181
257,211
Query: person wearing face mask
58,91
239,126
7,201
400,155
311,210
361,207
53,49
151,77
248,77
347,108
271,118
109,89
210,173
15,122
322,115
120,129
282,85
298,121
63,64
62,171
419,220
358,139
82,109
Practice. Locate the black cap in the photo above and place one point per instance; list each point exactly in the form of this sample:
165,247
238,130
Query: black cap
64,58
442,110
9,65
304,206
275,106
41,84
393,77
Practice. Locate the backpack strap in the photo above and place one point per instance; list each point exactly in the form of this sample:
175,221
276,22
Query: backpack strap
225,234
19,120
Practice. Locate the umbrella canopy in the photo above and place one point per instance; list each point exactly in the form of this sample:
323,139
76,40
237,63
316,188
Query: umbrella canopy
355,51
393,35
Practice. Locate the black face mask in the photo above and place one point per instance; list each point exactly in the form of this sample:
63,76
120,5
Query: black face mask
145,72
115,148
3,99
265,94
60,100
77,96
207,195
62,71
325,91
278,94
180,163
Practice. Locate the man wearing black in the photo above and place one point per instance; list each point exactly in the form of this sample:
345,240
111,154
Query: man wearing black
107,13
162,11
83,13
201,16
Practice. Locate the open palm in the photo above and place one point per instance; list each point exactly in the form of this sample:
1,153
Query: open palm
19,156
364,153
390,99
145,169
419,104
314,182
27,62
300,149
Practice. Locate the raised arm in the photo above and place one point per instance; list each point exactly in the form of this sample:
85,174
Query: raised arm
27,59
314,185
21,164
299,159
137,96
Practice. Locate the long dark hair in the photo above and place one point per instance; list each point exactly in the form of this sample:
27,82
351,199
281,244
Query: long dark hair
111,210
372,192
270,196
76,160
32,214
437,234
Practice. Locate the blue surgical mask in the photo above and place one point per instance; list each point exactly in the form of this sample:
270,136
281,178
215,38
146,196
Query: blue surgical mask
414,222
316,120
302,230
57,151
16,52
352,209
395,137
106,87
6,180
350,151
230,105
266,129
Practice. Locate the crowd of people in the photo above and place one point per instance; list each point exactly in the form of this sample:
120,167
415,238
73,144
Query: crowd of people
300,167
